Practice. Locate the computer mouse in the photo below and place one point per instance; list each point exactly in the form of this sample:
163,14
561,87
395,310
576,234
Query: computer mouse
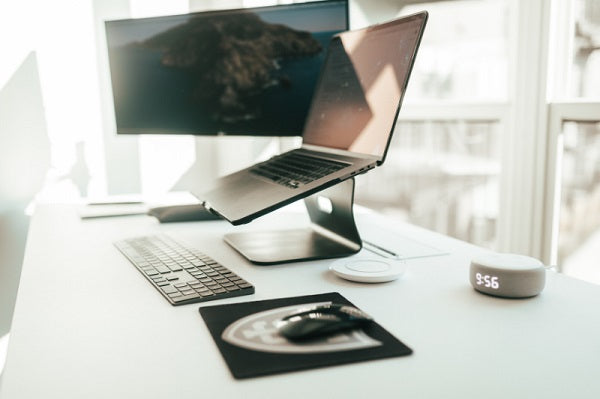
321,320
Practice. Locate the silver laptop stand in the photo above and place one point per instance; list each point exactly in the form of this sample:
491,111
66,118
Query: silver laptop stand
331,234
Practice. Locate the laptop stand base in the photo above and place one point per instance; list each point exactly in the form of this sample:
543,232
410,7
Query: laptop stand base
331,234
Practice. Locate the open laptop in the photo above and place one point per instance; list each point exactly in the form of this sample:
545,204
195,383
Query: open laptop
349,125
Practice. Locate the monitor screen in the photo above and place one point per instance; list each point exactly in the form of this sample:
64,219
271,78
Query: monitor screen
248,71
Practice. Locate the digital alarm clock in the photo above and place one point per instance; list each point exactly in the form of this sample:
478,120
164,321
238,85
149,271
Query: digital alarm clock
507,275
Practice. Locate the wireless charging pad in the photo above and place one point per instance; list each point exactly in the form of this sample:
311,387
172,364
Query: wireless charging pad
368,270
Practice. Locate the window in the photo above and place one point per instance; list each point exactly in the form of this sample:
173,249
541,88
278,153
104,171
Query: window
463,55
584,79
442,175
579,224
574,131
444,166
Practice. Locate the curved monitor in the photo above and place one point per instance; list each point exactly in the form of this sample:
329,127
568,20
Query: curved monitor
248,71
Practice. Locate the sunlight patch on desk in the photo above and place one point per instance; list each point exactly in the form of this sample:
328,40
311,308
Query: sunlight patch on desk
401,245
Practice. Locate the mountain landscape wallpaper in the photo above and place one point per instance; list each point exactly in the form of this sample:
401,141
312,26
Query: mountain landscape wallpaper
232,73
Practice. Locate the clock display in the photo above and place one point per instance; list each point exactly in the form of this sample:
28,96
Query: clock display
507,275
487,281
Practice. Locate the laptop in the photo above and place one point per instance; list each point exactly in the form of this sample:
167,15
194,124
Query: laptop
348,128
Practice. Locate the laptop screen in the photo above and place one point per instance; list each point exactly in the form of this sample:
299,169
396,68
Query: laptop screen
361,87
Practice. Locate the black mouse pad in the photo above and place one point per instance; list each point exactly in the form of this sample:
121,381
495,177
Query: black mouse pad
247,337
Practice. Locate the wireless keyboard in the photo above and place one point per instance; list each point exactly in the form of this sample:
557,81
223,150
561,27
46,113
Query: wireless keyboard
182,275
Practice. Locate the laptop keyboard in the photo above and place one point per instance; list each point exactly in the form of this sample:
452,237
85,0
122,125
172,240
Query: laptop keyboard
294,169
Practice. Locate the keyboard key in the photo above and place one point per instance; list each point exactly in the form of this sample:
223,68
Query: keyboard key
179,285
169,289
187,297
163,269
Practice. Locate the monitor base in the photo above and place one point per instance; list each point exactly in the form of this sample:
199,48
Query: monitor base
331,234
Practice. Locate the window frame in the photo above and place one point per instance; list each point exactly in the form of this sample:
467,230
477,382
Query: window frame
560,112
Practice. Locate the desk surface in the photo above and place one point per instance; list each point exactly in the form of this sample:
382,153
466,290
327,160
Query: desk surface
87,324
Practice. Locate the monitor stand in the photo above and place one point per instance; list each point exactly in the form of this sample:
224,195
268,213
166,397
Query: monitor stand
331,234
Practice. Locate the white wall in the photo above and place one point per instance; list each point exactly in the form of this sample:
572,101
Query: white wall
24,162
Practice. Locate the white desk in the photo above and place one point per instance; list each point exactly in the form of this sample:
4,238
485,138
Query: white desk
88,325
